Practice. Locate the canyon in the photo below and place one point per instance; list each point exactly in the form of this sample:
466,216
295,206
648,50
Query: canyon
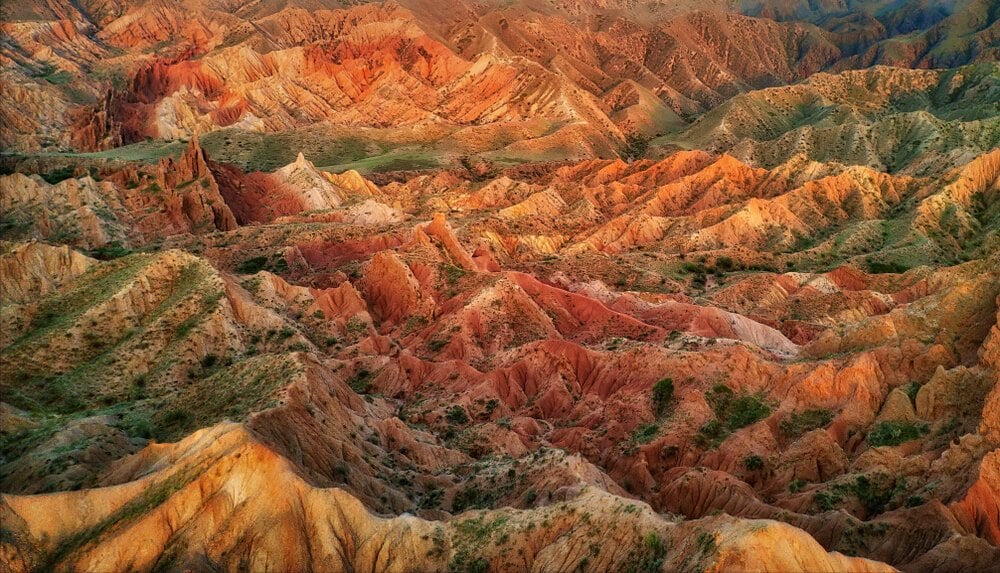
581,285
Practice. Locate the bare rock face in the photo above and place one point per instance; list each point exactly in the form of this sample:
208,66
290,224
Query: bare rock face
32,270
132,206
201,203
393,292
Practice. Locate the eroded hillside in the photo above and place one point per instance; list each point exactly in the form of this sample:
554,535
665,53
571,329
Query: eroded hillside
500,286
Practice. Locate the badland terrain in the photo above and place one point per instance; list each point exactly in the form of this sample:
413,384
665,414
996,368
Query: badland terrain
467,286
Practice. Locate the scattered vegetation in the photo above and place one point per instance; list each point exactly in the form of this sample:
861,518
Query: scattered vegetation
141,505
663,392
753,462
881,267
52,74
799,423
451,273
649,556
706,543
732,412
436,344
275,263
110,251
645,433
635,147
894,433
361,381
827,500
456,415
469,540
57,175
873,491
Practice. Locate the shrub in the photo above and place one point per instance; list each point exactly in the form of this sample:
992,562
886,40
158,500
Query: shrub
647,557
137,393
109,252
141,428
635,147
719,398
696,268
799,423
746,410
360,381
894,433
437,344
706,542
341,471
57,175
176,418
209,361
753,462
711,434
252,266
431,499
880,267
456,415
646,433
873,492
474,497
653,552
663,392
737,410
827,500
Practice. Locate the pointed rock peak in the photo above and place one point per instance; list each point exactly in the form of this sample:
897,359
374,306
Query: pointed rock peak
301,167
440,229
193,161
194,147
